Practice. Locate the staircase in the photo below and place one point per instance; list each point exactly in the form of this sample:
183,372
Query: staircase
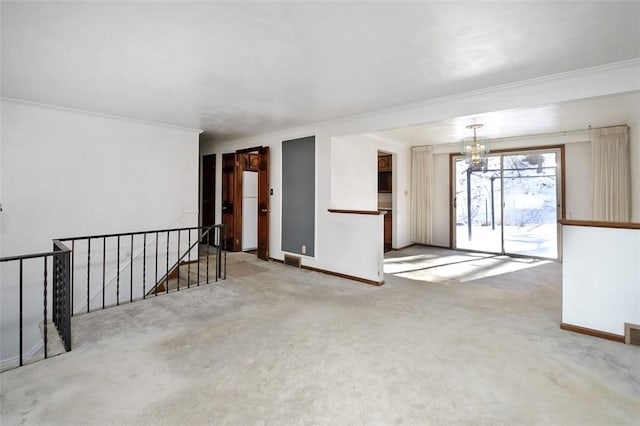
192,274
94,272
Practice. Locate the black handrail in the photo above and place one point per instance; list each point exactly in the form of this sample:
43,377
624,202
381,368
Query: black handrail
152,231
165,277
58,281
150,251
59,296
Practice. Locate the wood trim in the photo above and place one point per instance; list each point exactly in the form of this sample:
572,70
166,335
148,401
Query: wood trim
369,212
339,275
335,274
563,192
246,150
599,224
435,246
405,247
592,332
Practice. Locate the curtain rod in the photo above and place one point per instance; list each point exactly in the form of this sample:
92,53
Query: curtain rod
561,133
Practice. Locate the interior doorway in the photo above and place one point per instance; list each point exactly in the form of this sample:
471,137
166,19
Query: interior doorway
209,190
511,205
245,200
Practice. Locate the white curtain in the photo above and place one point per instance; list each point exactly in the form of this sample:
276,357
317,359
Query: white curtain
611,174
421,193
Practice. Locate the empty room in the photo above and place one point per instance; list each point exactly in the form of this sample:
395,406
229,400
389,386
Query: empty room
320,212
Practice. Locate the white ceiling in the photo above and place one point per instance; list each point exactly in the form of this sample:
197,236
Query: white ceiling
563,117
238,68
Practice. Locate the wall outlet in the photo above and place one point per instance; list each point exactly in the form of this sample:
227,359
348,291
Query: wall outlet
304,249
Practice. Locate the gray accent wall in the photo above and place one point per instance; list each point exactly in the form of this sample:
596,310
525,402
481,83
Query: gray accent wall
298,195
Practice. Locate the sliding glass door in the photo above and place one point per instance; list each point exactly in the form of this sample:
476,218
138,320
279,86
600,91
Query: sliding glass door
510,206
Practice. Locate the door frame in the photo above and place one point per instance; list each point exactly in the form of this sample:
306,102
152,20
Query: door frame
250,159
561,198
210,190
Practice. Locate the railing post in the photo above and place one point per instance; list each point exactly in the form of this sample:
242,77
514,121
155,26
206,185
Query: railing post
61,297
88,275
67,301
208,241
216,238
131,272
45,307
144,266
21,314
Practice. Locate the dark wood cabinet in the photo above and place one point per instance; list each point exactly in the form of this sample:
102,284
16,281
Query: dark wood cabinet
388,231
385,180
384,163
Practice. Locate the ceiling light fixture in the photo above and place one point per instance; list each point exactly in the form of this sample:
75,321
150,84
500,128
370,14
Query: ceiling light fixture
475,148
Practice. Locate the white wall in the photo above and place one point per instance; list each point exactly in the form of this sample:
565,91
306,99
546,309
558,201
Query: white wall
344,243
597,297
354,181
69,173
339,185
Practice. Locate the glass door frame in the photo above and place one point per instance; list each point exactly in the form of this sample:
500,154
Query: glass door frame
560,194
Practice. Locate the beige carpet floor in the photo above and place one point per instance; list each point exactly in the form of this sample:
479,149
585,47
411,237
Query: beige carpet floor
290,346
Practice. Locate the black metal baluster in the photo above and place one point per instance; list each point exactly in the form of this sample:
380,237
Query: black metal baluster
198,250
144,265
68,307
166,281
54,289
208,240
55,294
178,260
88,271
131,272
73,263
104,263
118,274
45,307
216,238
189,263
21,312
156,280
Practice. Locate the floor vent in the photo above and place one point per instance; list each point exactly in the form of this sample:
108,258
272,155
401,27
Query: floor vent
631,334
292,260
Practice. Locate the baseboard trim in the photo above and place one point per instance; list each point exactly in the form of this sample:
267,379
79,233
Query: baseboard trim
434,246
591,332
335,274
340,275
405,247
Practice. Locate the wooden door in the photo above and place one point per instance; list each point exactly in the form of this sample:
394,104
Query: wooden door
229,202
209,190
263,203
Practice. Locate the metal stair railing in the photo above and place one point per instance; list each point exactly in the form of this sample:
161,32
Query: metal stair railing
129,266
54,275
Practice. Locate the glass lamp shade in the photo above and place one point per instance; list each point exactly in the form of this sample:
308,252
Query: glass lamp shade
475,149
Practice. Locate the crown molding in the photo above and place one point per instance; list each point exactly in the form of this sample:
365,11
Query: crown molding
99,114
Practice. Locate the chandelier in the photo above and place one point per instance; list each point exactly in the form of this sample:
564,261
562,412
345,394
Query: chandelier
475,149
